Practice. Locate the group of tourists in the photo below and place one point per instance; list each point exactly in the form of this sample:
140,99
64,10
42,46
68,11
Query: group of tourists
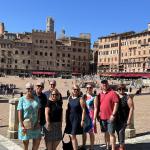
41,114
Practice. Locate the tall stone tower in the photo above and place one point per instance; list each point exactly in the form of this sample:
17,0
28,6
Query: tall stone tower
2,28
49,24
62,33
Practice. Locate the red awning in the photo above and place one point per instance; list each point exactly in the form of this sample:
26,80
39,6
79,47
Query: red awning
145,75
76,73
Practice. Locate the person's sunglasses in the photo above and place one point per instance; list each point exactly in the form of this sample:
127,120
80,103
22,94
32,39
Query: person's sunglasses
39,86
89,87
54,94
29,88
76,89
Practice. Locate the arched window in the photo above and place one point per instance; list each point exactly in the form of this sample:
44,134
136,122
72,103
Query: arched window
22,52
36,53
41,53
2,60
16,52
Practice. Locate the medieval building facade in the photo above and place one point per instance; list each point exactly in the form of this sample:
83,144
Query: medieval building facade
125,52
42,51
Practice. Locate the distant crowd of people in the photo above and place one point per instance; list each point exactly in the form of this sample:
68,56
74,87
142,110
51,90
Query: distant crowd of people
7,89
41,114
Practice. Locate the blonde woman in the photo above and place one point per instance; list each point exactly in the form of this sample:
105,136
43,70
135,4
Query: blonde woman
28,114
75,115
53,126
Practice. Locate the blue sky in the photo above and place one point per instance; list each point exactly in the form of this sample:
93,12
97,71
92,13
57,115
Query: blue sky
98,17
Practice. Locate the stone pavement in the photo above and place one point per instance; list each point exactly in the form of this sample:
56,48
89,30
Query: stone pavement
6,144
139,143
142,126
2,147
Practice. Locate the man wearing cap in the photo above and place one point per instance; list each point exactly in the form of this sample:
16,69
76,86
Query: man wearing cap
52,84
108,104
43,101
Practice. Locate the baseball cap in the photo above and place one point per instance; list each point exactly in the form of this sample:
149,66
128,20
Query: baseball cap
40,83
29,85
104,82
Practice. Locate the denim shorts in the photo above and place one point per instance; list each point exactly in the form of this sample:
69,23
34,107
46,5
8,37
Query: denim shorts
107,126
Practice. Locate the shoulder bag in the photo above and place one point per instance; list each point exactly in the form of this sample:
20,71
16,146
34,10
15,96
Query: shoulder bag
68,145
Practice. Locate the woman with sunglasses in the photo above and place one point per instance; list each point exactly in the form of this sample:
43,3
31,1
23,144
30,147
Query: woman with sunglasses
91,109
75,116
125,112
53,126
28,114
